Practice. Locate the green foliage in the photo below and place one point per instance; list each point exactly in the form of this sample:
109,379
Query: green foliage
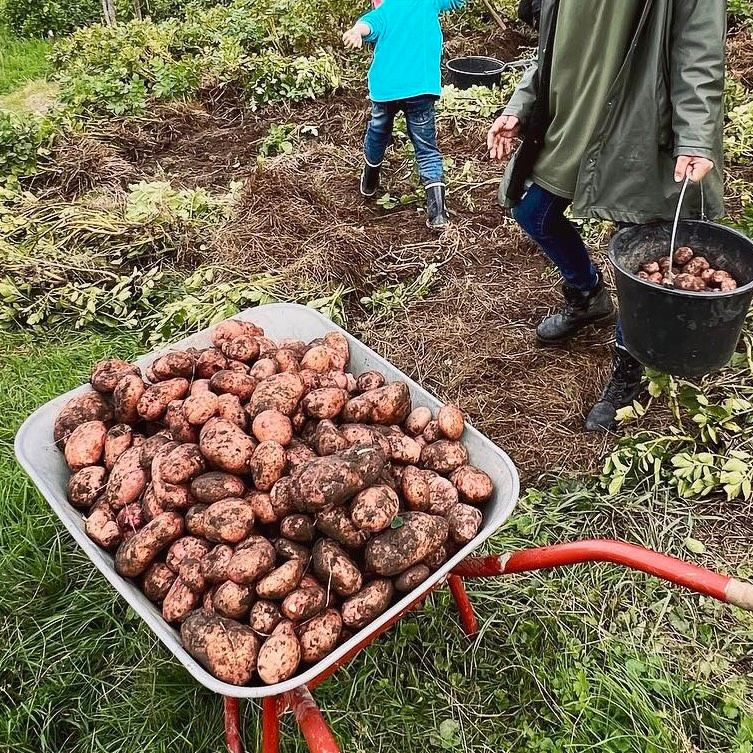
37,18
740,9
22,142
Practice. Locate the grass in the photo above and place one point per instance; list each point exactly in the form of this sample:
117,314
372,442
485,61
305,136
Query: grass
21,60
593,658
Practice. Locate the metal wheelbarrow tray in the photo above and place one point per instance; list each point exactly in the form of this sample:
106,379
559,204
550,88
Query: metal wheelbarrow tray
45,464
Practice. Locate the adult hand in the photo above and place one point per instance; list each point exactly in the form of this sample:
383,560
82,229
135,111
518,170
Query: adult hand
501,137
352,38
696,168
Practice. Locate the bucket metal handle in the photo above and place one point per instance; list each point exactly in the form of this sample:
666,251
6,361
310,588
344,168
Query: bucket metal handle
673,241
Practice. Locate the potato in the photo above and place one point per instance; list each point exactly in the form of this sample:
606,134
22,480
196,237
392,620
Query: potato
728,285
130,519
176,364
251,563
696,265
298,347
417,421
282,580
319,635
373,509
265,617
101,527
369,380
150,505
404,449
297,454
127,479
86,485
292,550
135,555
195,522
327,439
209,362
286,360
214,564
431,433
689,282
650,267
262,508
717,276
335,568
682,256
232,600
362,434
233,383
157,581
411,578
89,406
199,387
228,521
437,558
106,374
117,440
451,422
242,348
304,603
298,527
199,408
474,486
273,425
329,481
442,494
232,328
225,446
318,358
415,488
227,649
339,349
335,523
281,392
267,465
267,347
279,655
386,405
153,403
464,522
179,602
190,573
229,407
365,606
327,402
150,447
177,424
263,369
444,456
188,547
169,496
183,464
395,550
216,485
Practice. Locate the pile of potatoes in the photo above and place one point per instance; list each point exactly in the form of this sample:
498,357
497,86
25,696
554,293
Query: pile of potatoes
689,272
269,501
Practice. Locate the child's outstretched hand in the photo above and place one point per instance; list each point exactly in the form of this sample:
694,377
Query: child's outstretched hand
352,38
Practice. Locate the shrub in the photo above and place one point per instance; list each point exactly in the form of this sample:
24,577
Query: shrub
22,142
34,18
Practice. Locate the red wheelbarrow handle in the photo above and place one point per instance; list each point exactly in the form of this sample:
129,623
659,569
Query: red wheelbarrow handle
677,571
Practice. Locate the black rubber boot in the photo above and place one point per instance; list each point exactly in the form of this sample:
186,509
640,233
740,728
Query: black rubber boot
436,213
369,180
581,309
621,390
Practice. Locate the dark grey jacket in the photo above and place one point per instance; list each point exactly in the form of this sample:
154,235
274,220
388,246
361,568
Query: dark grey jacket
667,101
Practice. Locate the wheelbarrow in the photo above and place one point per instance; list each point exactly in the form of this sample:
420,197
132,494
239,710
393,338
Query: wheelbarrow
45,465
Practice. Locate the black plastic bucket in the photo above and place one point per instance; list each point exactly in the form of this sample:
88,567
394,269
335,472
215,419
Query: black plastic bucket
676,331
474,71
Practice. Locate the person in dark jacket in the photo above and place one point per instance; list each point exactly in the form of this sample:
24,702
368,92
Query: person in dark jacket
613,117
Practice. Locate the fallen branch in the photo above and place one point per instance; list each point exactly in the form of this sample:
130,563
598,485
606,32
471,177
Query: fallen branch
500,22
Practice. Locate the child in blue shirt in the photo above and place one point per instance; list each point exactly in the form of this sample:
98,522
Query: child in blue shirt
405,76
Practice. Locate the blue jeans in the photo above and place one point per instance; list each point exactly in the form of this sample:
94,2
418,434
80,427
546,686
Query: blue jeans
542,215
419,115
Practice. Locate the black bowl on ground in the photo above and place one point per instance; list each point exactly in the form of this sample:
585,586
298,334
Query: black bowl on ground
474,70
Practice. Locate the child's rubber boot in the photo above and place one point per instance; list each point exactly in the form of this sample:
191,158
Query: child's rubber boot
436,213
369,180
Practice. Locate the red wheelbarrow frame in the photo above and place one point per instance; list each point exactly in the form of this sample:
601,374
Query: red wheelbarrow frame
314,728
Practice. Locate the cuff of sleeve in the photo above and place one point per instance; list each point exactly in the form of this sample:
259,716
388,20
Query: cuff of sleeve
510,111
693,151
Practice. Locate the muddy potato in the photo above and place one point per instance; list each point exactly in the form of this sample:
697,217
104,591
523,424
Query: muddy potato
292,550
230,409
267,465
90,406
385,405
331,480
135,555
281,392
229,382
319,635
339,349
265,616
153,403
444,456
101,528
417,421
117,440
216,485
183,464
373,509
251,563
393,551
728,285
267,347
150,504
177,424
225,446
242,348
474,485
281,498
127,479
304,603
437,558
681,257
157,581
85,445
318,358
214,563
179,602
464,522
232,328
150,447
188,547
172,365
415,488
263,368
650,267
228,521
365,606
411,578
327,439
286,360
335,568
297,454
169,496
278,583
86,485
689,282
106,374
696,265
232,600
261,505
209,362
404,449
369,380
451,422
195,523
442,494
199,408
130,519
363,434
335,523
279,655
190,573
432,432
273,425
326,402
298,527
717,276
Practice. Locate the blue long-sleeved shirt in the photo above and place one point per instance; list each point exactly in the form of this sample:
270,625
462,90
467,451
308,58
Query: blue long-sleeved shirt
407,41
